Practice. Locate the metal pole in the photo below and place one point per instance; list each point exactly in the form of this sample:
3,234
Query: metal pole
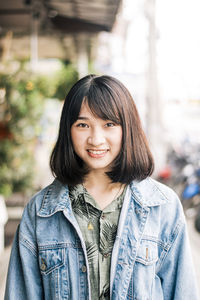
82,54
154,123
34,42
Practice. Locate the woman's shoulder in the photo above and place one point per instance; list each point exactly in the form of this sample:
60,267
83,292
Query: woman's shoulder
166,217
47,197
152,192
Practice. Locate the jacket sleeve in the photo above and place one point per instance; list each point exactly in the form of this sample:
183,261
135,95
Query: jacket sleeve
24,280
176,270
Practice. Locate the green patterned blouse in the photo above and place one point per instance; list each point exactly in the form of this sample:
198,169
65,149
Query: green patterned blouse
99,228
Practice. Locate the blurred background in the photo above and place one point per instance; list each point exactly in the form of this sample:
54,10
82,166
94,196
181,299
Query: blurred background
47,45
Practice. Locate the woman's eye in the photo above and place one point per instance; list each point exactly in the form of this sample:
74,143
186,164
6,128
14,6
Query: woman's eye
110,124
83,125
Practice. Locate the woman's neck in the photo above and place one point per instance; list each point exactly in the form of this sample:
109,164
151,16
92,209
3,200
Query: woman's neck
102,189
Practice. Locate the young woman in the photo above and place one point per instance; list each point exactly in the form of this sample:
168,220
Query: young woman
103,229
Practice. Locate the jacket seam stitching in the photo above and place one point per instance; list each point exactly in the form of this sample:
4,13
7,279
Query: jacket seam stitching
58,246
24,241
45,197
158,189
155,240
170,243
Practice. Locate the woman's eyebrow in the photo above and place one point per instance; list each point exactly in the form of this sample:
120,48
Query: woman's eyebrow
82,118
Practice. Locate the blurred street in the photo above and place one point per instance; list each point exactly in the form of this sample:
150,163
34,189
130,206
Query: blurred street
195,244
151,46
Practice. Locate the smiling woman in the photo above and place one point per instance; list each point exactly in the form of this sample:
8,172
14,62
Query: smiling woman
97,142
103,229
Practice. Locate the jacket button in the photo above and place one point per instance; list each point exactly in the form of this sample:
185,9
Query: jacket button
43,267
102,216
106,255
84,269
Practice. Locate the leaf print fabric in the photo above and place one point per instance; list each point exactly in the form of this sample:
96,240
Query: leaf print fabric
100,240
92,251
107,237
78,207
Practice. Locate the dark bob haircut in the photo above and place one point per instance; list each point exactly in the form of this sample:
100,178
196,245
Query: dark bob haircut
108,99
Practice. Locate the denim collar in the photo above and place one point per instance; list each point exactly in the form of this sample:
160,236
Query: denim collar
56,198
147,193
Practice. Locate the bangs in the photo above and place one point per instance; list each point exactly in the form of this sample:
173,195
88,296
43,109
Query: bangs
102,104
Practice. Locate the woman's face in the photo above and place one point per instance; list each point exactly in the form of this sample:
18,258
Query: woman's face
96,141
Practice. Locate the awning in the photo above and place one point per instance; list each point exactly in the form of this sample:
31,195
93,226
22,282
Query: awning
63,15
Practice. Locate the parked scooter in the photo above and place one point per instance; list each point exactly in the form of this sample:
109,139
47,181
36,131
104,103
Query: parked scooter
191,195
182,173
197,221
174,173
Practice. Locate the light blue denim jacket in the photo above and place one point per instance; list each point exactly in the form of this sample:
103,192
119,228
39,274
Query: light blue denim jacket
151,257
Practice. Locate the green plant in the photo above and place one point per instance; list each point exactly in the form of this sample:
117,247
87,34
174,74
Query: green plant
20,110
22,98
65,78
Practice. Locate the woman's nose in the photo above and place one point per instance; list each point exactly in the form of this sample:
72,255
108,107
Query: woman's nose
96,137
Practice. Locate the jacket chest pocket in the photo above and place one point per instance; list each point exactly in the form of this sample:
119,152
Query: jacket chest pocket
143,275
54,272
50,259
147,253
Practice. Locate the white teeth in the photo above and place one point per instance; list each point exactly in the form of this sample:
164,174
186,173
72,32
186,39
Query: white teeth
97,152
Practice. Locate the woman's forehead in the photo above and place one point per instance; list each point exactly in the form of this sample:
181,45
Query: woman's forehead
85,110
87,114
100,106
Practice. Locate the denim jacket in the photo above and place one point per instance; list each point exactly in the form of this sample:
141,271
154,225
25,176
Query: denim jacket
151,256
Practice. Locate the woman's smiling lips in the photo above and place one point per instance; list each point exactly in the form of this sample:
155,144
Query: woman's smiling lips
97,153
